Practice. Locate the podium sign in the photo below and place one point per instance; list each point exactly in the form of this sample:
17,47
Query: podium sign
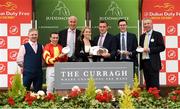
113,74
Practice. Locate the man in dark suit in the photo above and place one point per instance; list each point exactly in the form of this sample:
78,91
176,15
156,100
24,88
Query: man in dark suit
69,37
152,43
126,44
105,40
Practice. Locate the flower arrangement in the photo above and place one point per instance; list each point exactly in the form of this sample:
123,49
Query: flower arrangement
90,98
125,101
11,101
17,91
105,95
173,99
75,91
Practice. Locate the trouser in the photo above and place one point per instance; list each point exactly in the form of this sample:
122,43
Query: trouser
150,74
36,78
50,79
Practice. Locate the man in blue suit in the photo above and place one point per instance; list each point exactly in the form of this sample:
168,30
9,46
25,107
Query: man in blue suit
152,43
126,44
105,40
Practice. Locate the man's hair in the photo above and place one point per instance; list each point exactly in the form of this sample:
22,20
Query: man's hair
31,30
147,19
103,21
53,33
122,20
72,17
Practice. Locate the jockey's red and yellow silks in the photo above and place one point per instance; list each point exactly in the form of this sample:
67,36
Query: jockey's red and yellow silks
51,54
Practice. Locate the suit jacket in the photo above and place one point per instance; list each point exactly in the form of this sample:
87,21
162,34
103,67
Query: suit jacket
82,55
131,46
156,45
63,39
108,44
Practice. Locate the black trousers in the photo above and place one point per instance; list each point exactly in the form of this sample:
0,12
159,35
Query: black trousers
35,78
151,75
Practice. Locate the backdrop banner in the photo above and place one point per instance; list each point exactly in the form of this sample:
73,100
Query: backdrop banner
52,15
166,17
112,11
15,21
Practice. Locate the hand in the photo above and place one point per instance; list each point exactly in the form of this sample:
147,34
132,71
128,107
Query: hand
127,53
146,50
55,59
118,52
62,55
139,47
106,55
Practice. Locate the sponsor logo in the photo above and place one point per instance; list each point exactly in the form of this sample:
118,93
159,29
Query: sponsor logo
2,43
10,6
13,55
172,78
61,9
171,54
2,68
114,10
165,6
171,29
13,29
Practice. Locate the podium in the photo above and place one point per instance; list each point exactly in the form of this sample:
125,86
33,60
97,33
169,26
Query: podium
112,74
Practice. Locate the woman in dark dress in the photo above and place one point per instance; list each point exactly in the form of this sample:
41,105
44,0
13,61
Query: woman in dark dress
84,45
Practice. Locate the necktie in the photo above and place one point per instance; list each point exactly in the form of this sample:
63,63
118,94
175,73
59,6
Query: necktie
145,55
71,44
123,42
123,46
101,40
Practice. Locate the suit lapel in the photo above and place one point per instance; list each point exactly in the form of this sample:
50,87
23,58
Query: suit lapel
152,37
142,41
119,41
65,36
105,40
128,41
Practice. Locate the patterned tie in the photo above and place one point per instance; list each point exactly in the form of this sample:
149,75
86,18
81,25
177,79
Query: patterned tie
71,44
101,40
145,55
